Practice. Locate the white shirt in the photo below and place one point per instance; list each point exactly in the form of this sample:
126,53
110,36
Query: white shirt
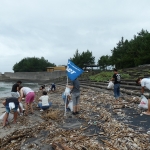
145,82
26,90
44,100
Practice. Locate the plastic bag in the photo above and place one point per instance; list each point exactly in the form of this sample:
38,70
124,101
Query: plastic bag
1,117
10,117
67,91
144,102
70,105
110,85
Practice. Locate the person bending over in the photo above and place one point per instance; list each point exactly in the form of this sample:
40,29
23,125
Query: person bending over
145,83
29,98
10,103
53,87
42,88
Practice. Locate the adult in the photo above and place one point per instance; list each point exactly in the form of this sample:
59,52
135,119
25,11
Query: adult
116,78
44,104
15,89
145,83
29,98
75,91
53,87
10,103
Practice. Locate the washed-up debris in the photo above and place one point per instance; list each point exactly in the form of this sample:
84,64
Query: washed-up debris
97,128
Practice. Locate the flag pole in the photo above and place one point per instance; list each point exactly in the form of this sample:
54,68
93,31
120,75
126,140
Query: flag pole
66,99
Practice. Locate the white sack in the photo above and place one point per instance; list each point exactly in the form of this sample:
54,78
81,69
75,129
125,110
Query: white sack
1,117
70,105
10,117
11,105
110,85
144,102
67,91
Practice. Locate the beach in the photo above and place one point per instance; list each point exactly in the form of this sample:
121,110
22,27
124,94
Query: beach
96,125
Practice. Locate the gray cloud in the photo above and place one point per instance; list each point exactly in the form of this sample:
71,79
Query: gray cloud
54,29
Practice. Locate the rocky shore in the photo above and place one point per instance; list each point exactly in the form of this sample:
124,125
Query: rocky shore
101,125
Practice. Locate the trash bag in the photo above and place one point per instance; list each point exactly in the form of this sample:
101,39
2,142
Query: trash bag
144,102
110,85
67,91
70,105
10,117
1,117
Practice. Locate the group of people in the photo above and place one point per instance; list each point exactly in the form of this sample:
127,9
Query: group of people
144,82
18,93
52,87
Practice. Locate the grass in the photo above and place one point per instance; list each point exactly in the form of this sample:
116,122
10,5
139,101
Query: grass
107,75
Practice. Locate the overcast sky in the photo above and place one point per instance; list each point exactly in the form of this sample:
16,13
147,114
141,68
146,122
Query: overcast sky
54,29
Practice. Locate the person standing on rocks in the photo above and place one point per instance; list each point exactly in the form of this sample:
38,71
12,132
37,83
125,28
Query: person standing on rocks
15,89
75,91
116,78
29,98
53,87
144,82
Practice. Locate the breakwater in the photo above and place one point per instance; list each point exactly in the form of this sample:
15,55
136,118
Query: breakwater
34,76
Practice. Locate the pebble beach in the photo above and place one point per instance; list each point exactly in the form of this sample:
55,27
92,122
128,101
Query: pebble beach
100,125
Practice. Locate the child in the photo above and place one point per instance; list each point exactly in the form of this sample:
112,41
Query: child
44,104
66,99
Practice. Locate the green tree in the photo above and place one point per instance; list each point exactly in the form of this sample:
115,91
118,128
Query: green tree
85,58
132,53
104,62
32,64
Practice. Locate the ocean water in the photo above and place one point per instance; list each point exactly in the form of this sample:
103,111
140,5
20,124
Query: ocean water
5,88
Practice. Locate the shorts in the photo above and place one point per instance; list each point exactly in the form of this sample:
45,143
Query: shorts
30,97
44,107
14,109
75,98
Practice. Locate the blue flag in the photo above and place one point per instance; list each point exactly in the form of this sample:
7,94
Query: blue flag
73,71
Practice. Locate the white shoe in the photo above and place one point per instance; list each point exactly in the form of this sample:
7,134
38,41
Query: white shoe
41,110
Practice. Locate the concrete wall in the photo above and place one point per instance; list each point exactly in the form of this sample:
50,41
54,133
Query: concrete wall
35,75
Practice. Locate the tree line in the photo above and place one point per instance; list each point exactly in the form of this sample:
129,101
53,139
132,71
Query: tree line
126,54
129,53
32,64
